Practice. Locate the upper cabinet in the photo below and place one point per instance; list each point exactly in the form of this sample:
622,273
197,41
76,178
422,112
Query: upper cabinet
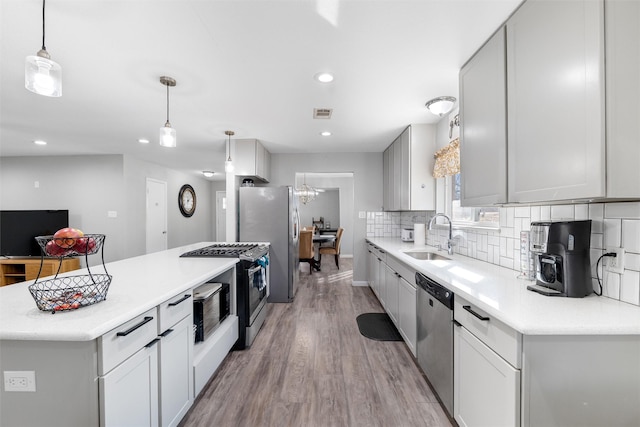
622,35
483,136
571,118
407,168
555,101
252,159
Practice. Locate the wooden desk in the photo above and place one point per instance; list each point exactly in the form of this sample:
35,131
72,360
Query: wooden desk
15,270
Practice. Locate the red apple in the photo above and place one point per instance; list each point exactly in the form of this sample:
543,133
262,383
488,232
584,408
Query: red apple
85,245
52,249
66,237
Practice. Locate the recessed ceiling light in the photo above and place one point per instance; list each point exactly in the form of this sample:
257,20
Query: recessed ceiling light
324,77
40,142
143,141
208,174
325,133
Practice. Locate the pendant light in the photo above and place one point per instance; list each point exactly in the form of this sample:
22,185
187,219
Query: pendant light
42,75
167,133
306,193
228,164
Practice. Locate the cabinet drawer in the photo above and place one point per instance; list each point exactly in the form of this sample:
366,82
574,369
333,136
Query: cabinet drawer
118,344
174,310
496,335
407,274
379,253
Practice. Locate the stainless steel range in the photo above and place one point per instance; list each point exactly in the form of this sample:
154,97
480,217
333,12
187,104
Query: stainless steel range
251,284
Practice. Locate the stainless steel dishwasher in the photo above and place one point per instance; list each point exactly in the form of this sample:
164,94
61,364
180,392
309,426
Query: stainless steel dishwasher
435,337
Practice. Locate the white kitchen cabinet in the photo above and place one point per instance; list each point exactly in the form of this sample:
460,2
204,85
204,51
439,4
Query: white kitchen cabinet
252,159
175,330
487,388
486,369
483,118
622,35
129,392
372,268
391,293
555,101
408,183
407,315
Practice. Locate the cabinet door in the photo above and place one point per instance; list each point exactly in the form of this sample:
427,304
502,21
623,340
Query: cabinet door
372,267
176,372
387,176
622,28
129,392
391,293
483,121
555,90
382,283
407,317
486,387
397,189
402,158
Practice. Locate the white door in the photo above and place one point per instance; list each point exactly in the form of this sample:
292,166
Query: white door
221,216
156,215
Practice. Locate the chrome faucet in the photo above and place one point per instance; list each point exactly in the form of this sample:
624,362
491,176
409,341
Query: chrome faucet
450,241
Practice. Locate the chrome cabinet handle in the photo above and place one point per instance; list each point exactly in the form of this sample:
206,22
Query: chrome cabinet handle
479,316
184,298
146,320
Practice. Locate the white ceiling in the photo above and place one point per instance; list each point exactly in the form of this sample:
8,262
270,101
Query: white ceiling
245,66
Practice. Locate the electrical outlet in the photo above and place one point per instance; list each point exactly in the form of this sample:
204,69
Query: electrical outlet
615,264
19,381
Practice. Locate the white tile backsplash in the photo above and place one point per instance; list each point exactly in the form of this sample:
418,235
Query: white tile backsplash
613,225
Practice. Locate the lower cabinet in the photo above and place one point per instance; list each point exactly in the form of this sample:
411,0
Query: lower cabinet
129,392
486,369
391,293
486,389
407,315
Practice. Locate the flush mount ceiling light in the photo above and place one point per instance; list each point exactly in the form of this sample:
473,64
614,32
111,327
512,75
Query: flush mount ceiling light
40,142
324,77
42,75
228,164
325,133
143,140
208,174
440,105
167,133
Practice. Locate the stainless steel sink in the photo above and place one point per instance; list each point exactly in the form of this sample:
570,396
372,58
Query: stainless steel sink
425,255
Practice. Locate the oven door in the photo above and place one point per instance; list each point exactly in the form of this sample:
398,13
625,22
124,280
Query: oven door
257,290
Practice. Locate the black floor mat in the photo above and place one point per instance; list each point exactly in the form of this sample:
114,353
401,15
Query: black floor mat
378,326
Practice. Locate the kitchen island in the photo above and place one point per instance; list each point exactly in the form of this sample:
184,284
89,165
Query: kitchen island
99,364
521,358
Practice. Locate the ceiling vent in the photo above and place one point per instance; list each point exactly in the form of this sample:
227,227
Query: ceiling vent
322,113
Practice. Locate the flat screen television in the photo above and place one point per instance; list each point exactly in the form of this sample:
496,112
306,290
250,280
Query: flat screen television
18,230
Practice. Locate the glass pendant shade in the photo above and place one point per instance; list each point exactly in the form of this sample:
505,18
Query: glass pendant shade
168,136
228,166
42,75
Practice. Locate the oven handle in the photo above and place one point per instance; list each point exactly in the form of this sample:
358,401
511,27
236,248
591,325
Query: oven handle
253,270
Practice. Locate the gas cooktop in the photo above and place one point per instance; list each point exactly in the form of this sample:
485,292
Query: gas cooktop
248,251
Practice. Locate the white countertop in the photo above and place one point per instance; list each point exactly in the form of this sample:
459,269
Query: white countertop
497,291
138,285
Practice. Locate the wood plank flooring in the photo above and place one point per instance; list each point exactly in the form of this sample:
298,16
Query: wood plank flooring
309,366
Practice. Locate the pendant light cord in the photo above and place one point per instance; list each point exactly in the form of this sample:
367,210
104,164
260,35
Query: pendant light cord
168,105
43,48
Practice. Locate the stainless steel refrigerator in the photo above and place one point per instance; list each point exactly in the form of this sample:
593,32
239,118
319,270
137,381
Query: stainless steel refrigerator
270,214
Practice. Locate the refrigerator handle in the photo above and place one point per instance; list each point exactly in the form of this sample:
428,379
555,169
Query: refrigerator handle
296,225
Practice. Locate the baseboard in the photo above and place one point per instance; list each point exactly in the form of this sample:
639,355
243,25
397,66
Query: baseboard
359,283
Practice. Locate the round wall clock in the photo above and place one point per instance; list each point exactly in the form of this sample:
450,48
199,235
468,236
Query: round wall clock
187,200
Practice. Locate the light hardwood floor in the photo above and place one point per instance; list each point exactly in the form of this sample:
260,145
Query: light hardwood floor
309,366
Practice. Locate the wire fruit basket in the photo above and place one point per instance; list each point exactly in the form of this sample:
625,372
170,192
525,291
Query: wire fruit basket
70,292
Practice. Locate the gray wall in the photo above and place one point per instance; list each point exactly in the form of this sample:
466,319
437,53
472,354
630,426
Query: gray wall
326,205
90,186
367,193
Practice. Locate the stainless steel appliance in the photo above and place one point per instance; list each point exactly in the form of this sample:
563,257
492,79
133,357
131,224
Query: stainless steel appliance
270,214
406,234
211,305
562,258
435,337
252,281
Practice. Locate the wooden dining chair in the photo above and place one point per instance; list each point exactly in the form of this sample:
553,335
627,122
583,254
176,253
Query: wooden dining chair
332,250
307,252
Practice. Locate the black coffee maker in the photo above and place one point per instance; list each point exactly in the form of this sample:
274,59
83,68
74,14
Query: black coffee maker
561,251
